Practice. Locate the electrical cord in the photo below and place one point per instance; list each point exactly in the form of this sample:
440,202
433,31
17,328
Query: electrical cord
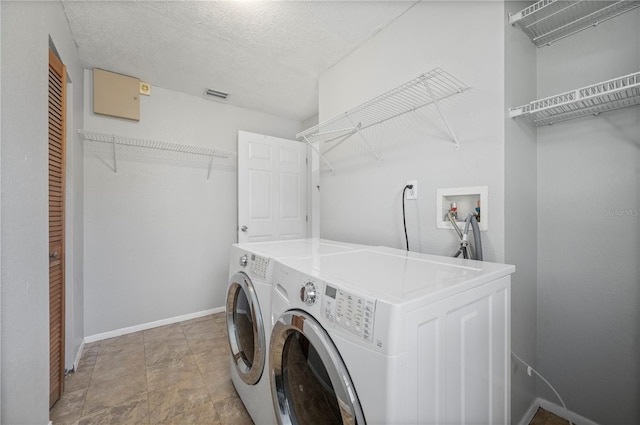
404,220
530,369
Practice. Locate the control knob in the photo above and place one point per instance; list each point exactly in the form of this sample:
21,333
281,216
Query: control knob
308,293
244,260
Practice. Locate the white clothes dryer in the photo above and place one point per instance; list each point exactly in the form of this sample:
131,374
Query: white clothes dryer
382,336
249,321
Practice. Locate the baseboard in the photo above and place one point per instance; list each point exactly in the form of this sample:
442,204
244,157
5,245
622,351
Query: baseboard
150,325
78,355
530,413
556,409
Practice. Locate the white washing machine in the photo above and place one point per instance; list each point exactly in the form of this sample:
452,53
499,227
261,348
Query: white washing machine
248,308
382,336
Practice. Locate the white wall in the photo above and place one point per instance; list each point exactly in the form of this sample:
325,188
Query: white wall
362,202
26,28
588,253
157,233
521,230
0,220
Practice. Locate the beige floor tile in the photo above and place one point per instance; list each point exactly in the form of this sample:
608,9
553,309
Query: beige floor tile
121,348
544,417
114,392
162,375
90,347
219,388
107,367
66,422
220,318
177,399
556,420
89,354
214,361
201,415
183,370
204,343
120,344
163,351
133,411
69,407
231,411
205,327
221,325
164,333
79,379
197,320
540,417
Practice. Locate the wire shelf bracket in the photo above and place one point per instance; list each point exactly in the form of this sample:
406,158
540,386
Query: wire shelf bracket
114,140
548,21
446,123
356,130
591,100
333,171
429,88
115,155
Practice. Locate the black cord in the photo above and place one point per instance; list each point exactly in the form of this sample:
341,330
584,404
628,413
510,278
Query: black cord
404,220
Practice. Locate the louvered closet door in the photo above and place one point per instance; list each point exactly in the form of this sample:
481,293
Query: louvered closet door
57,108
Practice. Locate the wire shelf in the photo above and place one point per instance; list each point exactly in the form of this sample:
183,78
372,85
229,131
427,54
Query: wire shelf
548,21
427,89
210,153
591,100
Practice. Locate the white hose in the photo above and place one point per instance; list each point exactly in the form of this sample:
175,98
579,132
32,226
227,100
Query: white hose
530,369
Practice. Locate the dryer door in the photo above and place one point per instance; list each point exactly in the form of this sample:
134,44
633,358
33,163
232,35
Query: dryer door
246,329
309,381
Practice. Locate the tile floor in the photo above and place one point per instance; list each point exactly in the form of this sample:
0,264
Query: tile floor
174,374
544,417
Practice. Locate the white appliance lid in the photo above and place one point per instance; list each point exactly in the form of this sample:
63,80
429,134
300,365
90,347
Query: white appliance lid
296,248
396,275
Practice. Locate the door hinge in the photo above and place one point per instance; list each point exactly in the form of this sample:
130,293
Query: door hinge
306,218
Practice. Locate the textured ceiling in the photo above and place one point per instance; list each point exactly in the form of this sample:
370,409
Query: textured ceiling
266,54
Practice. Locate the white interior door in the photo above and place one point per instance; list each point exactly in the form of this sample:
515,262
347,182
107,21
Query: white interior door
272,188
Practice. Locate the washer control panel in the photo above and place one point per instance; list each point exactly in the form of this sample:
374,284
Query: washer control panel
350,312
259,265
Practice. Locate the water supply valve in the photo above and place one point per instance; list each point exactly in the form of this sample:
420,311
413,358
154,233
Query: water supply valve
454,210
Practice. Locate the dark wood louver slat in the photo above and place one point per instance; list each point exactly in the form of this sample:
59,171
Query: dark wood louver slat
57,111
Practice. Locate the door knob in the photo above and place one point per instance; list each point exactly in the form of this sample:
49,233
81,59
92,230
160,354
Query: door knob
53,255
244,228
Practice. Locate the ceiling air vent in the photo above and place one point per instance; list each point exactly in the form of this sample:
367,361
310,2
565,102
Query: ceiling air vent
216,93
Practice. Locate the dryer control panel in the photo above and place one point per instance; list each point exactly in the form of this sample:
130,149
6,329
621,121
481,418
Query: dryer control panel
259,265
350,312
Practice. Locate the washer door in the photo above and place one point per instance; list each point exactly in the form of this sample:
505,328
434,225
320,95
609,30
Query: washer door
309,381
246,329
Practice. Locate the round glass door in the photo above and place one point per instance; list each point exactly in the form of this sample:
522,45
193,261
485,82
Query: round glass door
245,329
309,381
